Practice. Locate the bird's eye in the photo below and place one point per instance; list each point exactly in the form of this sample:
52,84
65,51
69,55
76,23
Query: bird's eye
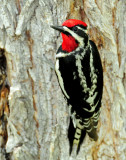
75,29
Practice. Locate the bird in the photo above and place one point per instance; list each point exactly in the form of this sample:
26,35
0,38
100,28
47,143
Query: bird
79,72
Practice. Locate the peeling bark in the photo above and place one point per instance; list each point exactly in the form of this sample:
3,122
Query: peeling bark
38,120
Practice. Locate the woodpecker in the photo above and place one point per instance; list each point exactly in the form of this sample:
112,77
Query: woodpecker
79,71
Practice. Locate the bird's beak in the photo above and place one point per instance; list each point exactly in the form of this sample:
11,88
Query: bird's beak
58,28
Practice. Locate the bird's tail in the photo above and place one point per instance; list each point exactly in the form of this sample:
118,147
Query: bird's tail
90,126
75,135
91,129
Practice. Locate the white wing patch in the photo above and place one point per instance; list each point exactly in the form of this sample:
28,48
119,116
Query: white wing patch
80,72
60,78
93,75
83,83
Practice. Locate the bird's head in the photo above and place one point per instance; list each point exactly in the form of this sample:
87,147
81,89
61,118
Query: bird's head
74,34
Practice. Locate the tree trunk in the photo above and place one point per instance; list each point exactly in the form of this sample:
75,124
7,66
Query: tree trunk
36,116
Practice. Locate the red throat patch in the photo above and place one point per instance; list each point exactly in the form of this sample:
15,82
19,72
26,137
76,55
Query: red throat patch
69,44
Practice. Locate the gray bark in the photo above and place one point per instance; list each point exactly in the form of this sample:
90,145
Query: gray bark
38,120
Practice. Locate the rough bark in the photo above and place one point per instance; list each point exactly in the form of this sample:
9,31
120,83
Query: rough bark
37,122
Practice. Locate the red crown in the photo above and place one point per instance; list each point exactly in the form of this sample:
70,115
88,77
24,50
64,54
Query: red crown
73,22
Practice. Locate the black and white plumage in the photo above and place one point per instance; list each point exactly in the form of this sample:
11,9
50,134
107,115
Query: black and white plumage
80,76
